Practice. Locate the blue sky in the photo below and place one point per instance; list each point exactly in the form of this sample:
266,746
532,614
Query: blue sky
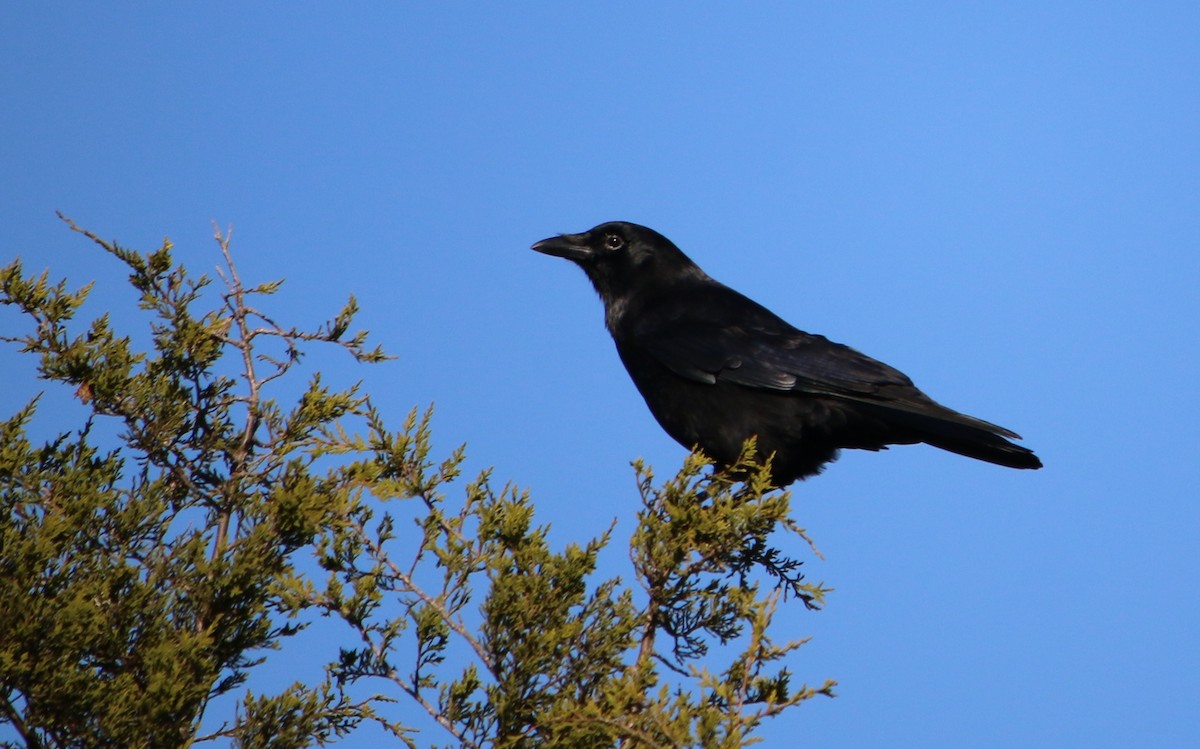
1001,200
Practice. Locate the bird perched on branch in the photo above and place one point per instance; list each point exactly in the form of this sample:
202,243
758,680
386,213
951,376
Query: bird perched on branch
717,368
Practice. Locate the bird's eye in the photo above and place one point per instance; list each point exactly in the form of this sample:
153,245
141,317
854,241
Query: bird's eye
614,241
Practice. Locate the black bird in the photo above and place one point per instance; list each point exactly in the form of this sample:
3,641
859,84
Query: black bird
716,367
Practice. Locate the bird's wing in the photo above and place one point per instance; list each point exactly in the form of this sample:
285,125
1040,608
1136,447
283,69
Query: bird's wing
770,357
762,351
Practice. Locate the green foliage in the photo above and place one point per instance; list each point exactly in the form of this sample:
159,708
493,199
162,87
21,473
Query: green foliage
142,582
556,661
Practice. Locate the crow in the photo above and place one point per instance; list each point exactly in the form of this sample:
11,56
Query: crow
717,368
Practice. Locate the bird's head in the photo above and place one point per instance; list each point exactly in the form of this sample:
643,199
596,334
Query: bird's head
622,258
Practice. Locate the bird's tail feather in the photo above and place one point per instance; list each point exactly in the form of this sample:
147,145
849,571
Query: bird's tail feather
950,430
988,447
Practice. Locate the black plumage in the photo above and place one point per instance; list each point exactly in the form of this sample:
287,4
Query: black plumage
716,368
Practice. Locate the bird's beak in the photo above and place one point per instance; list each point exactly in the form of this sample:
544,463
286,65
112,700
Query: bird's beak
570,246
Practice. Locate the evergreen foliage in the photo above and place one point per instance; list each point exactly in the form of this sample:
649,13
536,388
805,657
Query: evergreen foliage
143,579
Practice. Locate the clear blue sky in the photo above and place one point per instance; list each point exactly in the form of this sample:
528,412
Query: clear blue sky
1000,199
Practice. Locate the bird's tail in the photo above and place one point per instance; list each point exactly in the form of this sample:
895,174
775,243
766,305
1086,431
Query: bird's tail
989,447
948,429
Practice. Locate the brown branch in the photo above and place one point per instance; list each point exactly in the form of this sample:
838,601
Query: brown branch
12,716
378,552
412,691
